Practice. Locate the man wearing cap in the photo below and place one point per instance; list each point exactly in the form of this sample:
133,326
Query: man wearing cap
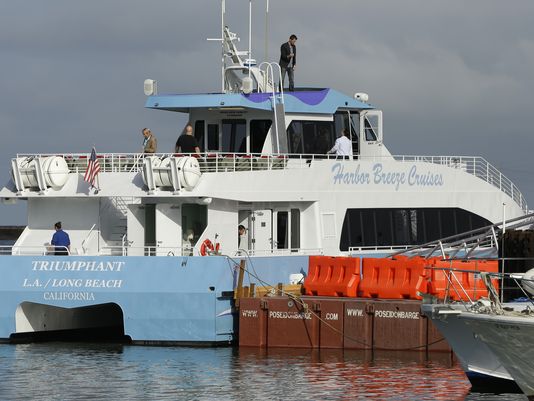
60,240
288,61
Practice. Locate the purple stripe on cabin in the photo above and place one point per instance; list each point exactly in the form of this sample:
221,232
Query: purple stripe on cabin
311,98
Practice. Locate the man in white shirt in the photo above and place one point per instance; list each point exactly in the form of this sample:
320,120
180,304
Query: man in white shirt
343,145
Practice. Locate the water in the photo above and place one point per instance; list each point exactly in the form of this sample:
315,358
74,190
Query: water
66,371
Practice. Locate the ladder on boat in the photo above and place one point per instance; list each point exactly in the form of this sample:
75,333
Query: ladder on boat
277,103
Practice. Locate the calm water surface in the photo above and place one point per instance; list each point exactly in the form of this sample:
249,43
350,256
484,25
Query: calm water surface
63,371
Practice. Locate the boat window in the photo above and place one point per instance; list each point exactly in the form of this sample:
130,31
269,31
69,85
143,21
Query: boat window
282,230
213,137
371,127
310,137
295,229
258,133
199,134
294,133
448,223
432,224
352,231
399,227
463,221
194,220
368,222
350,122
384,228
234,136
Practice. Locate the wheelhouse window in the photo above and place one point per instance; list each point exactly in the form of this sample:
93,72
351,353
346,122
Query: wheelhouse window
234,136
258,133
387,227
371,127
199,134
310,137
350,122
213,137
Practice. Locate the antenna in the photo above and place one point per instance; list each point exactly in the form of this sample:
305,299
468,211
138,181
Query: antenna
266,30
221,39
223,60
249,36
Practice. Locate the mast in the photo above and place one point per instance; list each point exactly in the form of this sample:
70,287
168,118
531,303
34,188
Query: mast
249,36
223,60
266,30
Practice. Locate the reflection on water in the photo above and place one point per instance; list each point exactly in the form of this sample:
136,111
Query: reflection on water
61,371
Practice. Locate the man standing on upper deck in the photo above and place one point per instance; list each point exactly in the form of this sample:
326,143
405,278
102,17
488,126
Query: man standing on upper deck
187,143
288,61
150,142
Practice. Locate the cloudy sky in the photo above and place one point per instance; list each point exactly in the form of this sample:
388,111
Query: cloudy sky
453,77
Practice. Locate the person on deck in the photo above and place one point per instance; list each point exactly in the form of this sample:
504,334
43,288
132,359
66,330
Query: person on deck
60,240
241,231
343,145
150,142
288,61
187,143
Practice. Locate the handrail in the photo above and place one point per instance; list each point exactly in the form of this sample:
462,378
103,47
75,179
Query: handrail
215,162
16,250
124,246
85,239
282,252
24,250
269,72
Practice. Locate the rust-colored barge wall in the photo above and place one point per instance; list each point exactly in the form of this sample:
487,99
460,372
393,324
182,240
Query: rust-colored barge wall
338,323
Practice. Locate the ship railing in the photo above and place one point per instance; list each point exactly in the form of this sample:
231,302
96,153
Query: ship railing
31,250
478,167
515,287
280,252
217,162
118,250
127,250
378,248
86,239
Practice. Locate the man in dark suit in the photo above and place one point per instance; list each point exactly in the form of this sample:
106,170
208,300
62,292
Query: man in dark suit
288,61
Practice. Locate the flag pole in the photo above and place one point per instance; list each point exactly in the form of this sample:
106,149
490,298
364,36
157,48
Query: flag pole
97,187
97,176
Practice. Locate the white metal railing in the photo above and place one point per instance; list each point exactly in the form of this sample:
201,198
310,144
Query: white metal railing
31,250
215,162
280,252
86,239
478,167
127,250
357,249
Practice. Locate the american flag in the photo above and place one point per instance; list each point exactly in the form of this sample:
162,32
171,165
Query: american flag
93,168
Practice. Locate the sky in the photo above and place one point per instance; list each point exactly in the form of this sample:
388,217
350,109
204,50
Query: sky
452,77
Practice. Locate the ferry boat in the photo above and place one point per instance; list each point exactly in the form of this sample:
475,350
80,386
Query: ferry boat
155,249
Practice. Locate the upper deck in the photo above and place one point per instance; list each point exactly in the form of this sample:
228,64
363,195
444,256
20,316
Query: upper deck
218,162
311,101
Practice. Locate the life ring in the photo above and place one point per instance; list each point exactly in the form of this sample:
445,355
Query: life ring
207,248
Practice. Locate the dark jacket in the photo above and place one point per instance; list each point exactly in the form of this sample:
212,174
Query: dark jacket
285,51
